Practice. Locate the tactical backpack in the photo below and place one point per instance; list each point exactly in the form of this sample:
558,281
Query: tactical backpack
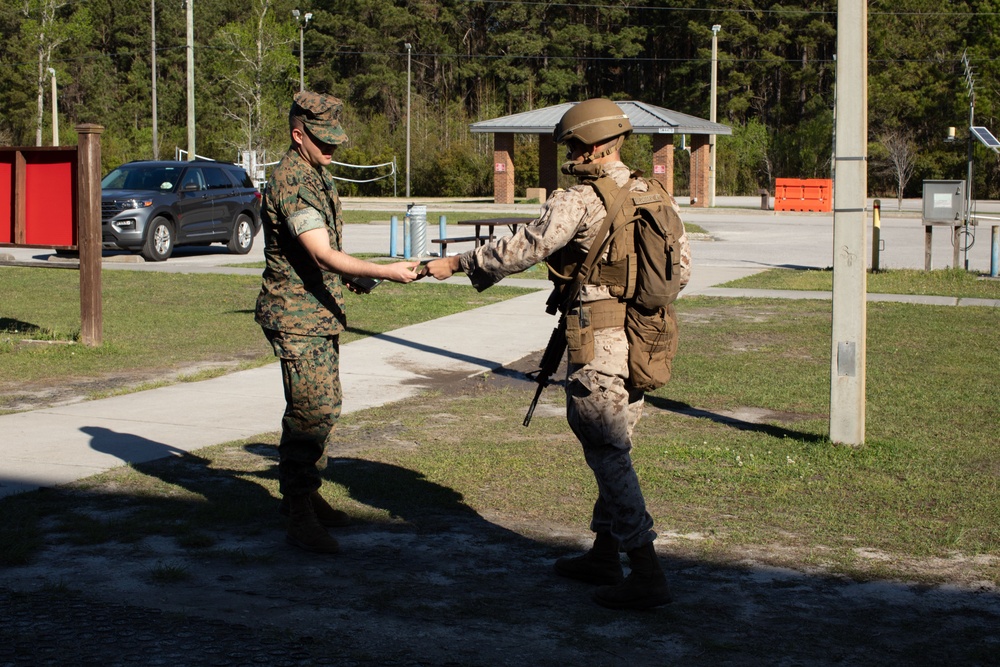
641,235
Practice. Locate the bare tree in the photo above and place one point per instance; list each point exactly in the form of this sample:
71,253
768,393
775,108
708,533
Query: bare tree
45,30
901,156
255,60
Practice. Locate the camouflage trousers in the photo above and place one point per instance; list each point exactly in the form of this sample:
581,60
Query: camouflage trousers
310,374
603,411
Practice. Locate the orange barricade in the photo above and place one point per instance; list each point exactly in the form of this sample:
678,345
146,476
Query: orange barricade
803,194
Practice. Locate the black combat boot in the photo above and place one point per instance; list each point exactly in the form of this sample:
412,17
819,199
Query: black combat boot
644,588
304,529
327,516
601,565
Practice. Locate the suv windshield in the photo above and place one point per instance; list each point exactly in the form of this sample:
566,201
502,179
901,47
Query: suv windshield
141,178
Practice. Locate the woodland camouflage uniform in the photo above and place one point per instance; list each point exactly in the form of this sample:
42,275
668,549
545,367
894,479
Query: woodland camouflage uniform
300,307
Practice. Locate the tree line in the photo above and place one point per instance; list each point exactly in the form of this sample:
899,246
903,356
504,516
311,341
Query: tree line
471,60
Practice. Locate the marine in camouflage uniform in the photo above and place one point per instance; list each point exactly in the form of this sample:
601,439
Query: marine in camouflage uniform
601,408
301,309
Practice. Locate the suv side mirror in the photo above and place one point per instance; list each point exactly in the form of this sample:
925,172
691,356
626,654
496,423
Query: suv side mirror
190,187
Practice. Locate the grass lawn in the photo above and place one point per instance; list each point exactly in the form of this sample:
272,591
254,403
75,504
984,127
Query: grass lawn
733,453
947,282
156,322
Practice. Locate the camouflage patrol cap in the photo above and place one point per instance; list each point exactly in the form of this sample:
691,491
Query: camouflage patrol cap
321,116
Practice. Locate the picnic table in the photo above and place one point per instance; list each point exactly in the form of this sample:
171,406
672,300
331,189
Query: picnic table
485,231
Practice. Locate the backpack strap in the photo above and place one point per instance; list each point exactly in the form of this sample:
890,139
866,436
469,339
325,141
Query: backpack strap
603,237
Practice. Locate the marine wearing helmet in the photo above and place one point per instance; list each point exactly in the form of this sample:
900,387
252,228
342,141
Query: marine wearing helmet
593,123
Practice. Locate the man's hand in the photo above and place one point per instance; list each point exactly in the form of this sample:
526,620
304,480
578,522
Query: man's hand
444,267
402,272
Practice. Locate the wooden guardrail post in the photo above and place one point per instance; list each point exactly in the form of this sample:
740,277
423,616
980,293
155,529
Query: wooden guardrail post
89,232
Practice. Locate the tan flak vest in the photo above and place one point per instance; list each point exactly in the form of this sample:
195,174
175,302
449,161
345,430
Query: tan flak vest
641,235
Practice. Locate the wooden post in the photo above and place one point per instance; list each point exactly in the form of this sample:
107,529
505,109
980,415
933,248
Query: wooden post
928,244
956,240
89,232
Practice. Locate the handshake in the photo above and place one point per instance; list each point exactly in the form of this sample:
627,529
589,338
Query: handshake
405,272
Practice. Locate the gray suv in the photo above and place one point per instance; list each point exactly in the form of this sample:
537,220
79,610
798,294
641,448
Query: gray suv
151,206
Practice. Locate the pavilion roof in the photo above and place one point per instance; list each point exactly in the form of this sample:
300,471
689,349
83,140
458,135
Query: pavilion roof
645,119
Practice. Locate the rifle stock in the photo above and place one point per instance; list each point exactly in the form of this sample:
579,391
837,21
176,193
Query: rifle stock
551,359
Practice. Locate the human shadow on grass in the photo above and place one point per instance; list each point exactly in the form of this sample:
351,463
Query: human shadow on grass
11,325
406,495
681,408
220,494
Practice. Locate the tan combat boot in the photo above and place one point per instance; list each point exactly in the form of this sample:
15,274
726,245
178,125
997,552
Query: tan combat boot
325,514
304,529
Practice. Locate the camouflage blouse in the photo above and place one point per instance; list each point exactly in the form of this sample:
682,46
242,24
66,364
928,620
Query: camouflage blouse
296,295
571,218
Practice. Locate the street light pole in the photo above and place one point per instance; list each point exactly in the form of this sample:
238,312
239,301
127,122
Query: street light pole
303,21
55,110
192,151
711,117
152,61
408,51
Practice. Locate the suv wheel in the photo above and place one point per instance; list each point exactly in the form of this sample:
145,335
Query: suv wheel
159,240
242,238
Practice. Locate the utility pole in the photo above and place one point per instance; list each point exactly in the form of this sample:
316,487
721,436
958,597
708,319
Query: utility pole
850,196
408,50
152,60
970,82
190,79
302,29
711,117
55,109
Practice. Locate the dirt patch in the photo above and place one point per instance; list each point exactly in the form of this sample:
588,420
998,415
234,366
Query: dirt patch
432,584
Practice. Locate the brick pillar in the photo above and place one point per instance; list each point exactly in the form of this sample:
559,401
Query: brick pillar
663,160
548,164
503,168
700,158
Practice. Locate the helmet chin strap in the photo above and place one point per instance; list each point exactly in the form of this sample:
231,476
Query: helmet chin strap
583,170
585,167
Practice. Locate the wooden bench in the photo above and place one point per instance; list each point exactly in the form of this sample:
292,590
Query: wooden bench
456,239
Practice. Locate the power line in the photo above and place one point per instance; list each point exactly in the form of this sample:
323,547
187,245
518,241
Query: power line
727,10
724,58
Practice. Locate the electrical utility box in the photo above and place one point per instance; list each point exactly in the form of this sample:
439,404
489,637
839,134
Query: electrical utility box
944,202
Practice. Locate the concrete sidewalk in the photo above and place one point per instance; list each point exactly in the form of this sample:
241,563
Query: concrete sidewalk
57,445
53,446
61,444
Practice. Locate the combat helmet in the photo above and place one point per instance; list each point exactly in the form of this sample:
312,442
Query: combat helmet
592,122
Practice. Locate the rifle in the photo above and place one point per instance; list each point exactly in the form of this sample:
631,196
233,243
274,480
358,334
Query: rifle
551,359
561,299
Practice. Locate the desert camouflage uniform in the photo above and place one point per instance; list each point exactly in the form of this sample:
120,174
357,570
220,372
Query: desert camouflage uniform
601,408
301,309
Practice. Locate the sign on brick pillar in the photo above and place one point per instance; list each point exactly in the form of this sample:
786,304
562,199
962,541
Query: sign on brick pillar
663,160
700,155
503,168
548,163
